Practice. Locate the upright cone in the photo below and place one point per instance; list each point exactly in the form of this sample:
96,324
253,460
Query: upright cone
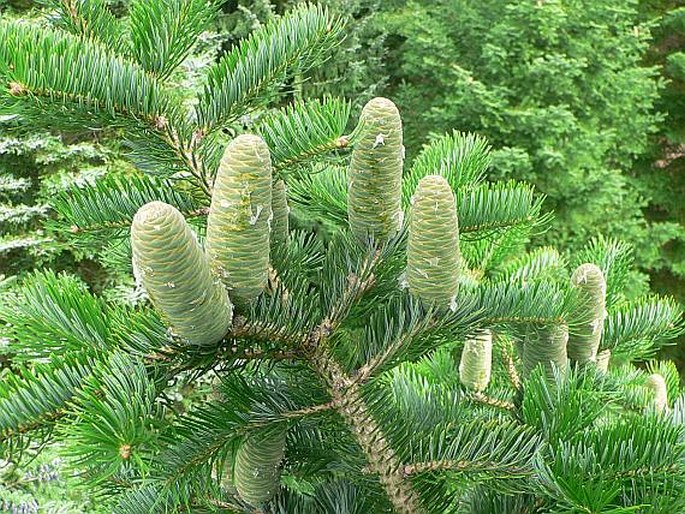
256,472
176,275
279,205
239,218
476,362
375,177
433,257
546,345
584,340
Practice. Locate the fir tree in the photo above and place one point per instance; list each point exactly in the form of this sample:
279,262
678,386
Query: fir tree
409,359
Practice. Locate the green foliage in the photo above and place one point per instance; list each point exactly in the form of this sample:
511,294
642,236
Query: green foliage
162,33
344,368
245,74
54,314
34,168
304,130
560,92
280,225
118,421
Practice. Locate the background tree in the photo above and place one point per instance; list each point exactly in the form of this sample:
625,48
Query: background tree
344,333
559,89
662,169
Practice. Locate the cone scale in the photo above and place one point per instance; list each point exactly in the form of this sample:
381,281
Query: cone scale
433,257
177,277
374,205
240,216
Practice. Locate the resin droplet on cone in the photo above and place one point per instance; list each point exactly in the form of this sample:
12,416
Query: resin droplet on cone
433,257
375,175
239,217
177,277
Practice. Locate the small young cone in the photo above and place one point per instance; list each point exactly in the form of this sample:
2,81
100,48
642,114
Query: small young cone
433,257
584,342
375,175
546,345
256,473
657,384
176,275
279,205
476,362
239,218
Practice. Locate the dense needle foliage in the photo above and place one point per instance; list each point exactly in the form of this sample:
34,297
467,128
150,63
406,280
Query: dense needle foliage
409,357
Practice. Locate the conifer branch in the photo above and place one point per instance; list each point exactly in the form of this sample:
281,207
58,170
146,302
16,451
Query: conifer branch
492,402
367,370
382,459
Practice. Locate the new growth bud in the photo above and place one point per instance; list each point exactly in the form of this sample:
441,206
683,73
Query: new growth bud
433,257
177,277
256,472
239,217
476,362
375,176
584,341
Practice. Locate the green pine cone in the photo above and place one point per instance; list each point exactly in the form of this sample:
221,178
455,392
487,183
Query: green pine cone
584,341
433,257
176,275
279,205
239,218
476,362
256,472
546,345
375,176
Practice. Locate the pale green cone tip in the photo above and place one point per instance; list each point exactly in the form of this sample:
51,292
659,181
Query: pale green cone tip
657,384
433,257
175,272
256,473
546,345
279,205
375,175
240,216
476,362
585,339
